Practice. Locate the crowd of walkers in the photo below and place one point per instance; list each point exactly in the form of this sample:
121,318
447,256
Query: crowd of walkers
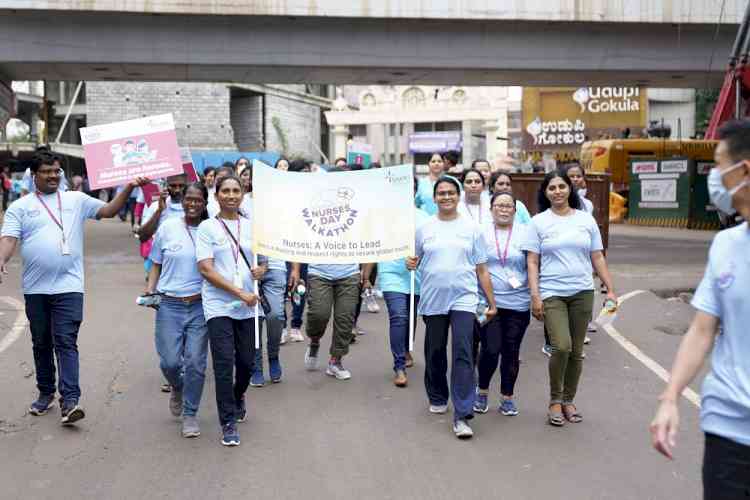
484,267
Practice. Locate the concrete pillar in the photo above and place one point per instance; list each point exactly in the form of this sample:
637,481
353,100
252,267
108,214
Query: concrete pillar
468,151
495,148
340,133
386,145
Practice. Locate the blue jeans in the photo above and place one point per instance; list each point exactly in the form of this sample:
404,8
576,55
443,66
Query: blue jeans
297,310
54,321
182,346
274,289
462,388
398,317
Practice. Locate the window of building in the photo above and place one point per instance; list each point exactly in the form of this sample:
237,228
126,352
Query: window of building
358,130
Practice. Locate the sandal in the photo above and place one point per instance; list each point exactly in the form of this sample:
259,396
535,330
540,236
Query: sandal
555,418
572,416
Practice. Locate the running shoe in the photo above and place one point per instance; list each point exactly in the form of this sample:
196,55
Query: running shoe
42,404
587,340
311,357
481,404
230,435
175,402
165,387
399,379
257,379
462,430
296,335
274,370
438,409
240,410
547,350
284,337
190,427
370,303
71,413
508,408
336,369
592,327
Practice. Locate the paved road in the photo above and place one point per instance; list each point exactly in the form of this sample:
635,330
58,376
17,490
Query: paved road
317,438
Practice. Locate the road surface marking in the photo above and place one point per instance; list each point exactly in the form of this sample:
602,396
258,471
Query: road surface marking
19,326
652,365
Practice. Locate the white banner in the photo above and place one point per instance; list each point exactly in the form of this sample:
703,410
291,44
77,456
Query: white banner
334,218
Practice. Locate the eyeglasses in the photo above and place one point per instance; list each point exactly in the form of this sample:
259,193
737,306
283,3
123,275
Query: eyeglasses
503,207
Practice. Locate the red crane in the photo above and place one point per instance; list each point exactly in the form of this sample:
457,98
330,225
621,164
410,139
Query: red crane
736,88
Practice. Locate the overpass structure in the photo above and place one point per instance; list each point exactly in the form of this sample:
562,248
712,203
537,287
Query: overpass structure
655,43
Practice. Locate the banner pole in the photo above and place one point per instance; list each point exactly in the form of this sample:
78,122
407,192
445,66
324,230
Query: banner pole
411,311
257,312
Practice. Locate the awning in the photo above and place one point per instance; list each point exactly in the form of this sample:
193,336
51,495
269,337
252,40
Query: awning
435,142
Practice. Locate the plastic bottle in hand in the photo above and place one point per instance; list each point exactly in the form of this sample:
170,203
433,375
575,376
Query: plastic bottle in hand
608,313
298,294
482,311
148,300
236,304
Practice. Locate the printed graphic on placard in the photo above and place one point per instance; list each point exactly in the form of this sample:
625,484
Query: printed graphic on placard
645,167
117,153
674,166
341,218
659,190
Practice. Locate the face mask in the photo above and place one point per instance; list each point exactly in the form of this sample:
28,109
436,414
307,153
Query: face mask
582,192
721,197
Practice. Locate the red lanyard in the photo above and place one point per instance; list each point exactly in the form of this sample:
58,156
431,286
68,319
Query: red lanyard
504,257
235,251
471,214
59,207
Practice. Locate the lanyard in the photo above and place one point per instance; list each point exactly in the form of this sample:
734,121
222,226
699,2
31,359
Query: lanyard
471,214
235,251
504,257
59,208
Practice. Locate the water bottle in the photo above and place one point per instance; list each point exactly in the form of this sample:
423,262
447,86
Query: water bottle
236,304
608,313
149,300
482,311
298,294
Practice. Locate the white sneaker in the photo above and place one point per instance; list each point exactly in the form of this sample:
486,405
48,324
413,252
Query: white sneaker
587,340
371,304
284,337
295,335
438,409
462,430
311,357
592,327
336,369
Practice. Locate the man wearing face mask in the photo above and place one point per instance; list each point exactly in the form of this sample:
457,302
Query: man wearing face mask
721,299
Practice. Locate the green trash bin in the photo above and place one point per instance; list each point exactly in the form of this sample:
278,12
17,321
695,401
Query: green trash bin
660,192
703,214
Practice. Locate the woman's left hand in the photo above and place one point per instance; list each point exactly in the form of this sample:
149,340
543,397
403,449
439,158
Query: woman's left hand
612,296
490,313
258,272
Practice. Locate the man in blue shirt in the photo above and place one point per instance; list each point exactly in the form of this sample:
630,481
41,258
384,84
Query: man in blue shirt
721,301
49,225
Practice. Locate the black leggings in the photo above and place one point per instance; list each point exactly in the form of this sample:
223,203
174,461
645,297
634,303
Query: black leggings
502,337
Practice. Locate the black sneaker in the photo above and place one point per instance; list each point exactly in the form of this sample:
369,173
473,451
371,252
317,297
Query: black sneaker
71,413
42,404
240,411
230,435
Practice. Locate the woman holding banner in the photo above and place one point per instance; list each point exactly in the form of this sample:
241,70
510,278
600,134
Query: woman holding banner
395,282
181,334
452,260
503,335
224,255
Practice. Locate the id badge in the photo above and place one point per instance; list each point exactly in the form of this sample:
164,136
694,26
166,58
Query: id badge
238,280
64,248
514,282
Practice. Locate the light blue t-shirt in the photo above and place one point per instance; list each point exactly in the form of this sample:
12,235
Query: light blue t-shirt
449,252
393,276
565,245
45,269
723,293
214,243
172,210
333,272
496,241
174,250
522,213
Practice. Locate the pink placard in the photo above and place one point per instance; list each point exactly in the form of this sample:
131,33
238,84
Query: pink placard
117,153
150,193
190,172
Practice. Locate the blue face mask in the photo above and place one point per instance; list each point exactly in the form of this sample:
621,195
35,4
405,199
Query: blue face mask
721,197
